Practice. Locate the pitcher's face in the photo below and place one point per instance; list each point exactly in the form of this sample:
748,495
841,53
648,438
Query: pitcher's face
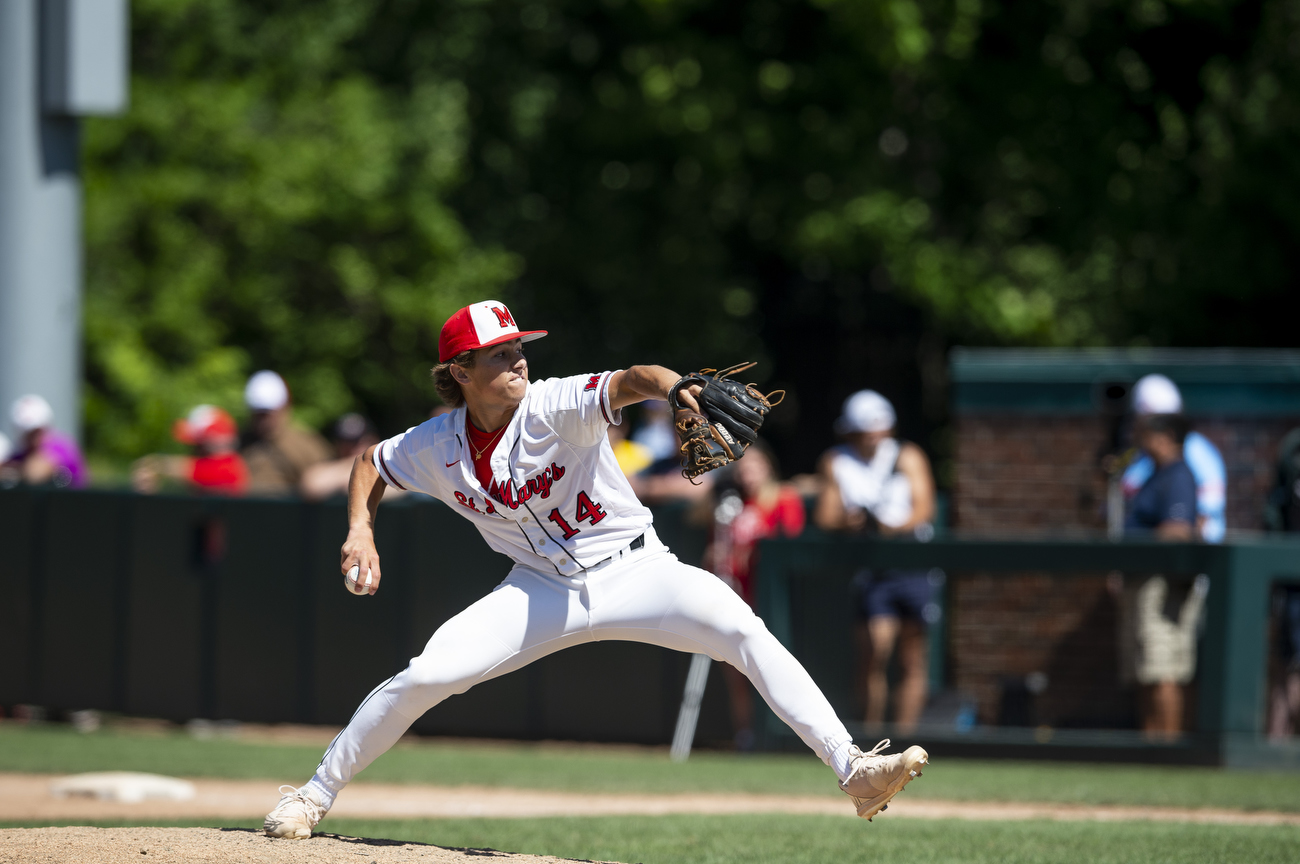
499,375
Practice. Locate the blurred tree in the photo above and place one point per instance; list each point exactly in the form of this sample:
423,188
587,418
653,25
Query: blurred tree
840,189
265,203
844,188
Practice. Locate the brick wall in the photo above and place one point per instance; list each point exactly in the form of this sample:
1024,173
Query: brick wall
1002,628
1017,474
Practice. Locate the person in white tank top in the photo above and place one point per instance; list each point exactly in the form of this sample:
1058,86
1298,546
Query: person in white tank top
874,482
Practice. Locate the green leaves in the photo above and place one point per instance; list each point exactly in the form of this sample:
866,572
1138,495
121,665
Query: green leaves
271,206
314,186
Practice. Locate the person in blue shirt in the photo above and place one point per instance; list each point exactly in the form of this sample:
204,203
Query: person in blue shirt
1155,395
1165,507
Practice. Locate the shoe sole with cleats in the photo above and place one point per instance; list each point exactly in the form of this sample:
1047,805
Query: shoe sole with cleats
914,759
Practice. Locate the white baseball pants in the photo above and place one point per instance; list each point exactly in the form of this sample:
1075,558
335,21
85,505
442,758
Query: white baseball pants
646,596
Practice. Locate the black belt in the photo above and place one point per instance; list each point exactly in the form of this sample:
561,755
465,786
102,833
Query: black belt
638,543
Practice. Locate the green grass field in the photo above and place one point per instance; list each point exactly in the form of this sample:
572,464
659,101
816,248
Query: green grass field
725,839
56,748
770,839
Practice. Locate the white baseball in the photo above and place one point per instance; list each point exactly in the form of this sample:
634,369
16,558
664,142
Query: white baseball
350,581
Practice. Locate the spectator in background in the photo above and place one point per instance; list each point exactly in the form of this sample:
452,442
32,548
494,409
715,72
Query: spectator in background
213,467
1165,507
656,432
1282,510
1284,703
876,483
352,434
752,504
660,480
1283,514
43,455
1165,504
633,458
279,451
1156,395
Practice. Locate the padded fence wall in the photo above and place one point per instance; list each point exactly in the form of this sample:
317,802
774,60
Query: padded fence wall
234,609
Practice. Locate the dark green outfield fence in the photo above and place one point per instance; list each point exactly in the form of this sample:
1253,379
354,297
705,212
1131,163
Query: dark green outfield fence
800,581
233,609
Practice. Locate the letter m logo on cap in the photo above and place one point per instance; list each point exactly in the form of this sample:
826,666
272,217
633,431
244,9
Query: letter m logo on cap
480,325
492,319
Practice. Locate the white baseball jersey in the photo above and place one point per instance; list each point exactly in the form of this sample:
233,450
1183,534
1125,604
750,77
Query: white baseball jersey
558,501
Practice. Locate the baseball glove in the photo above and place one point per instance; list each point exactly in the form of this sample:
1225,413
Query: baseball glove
732,415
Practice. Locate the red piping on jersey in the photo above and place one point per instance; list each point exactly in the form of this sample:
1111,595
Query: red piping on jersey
384,470
603,393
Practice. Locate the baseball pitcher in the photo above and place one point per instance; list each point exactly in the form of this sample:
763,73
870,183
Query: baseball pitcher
529,463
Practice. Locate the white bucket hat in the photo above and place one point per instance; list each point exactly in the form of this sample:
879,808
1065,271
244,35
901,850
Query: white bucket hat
866,411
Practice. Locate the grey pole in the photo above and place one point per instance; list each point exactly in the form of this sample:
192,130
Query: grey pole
58,59
689,714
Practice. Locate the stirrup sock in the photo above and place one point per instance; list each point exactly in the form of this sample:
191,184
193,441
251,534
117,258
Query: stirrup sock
323,793
841,762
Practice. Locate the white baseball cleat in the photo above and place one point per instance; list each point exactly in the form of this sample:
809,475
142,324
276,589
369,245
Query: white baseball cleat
876,779
297,813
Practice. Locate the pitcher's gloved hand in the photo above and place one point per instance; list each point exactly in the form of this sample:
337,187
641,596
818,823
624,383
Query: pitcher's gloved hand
728,421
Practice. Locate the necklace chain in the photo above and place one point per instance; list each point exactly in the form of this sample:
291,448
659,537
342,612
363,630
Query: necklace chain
478,454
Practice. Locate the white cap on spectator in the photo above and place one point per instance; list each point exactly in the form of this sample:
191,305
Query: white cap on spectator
1156,394
866,411
31,412
266,391
6,448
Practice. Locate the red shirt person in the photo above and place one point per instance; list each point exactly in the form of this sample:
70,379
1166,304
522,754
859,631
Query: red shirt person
759,507
215,468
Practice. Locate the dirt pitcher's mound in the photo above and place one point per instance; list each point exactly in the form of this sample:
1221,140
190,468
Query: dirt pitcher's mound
224,846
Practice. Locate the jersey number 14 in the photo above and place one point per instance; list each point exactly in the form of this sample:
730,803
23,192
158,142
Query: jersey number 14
588,511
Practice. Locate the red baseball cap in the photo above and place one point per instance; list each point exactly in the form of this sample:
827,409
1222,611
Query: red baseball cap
480,325
204,423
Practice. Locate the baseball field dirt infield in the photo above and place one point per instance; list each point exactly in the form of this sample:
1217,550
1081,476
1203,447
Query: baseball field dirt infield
224,846
27,798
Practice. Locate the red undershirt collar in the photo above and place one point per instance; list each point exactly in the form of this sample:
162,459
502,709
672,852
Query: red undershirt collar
479,439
